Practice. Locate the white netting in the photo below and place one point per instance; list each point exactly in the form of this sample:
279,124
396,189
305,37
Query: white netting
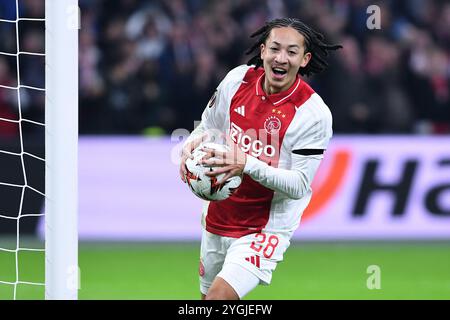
17,247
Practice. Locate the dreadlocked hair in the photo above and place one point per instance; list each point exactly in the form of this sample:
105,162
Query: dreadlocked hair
313,44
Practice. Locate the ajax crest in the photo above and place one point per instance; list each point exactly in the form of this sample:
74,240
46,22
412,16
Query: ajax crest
272,125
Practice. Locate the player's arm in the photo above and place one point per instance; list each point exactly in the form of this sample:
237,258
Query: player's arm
212,125
294,182
306,155
203,132
308,147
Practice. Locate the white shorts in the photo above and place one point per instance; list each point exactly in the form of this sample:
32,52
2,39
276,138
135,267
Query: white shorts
242,262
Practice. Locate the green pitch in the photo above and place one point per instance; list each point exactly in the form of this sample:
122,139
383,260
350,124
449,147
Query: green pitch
309,271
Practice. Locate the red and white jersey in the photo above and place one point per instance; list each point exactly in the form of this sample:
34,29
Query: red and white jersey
268,128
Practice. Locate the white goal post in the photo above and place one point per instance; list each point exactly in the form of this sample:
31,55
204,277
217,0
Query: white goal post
61,149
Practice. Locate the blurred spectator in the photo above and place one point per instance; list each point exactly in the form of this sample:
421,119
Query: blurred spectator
8,109
156,63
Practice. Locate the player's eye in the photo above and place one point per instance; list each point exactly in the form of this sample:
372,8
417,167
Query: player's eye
274,49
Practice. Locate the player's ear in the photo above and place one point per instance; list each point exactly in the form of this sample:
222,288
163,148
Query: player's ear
306,58
263,48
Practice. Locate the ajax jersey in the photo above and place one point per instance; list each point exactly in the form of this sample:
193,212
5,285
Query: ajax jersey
270,129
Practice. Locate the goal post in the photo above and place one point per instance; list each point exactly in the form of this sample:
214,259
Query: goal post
61,149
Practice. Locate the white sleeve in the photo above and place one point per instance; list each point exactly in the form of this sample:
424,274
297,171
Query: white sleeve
313,130
211,116
311,134
295,182
215,114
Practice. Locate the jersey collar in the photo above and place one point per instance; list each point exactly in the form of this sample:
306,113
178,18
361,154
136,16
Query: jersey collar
277,98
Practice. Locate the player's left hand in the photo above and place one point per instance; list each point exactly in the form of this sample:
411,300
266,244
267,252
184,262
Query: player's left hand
231,162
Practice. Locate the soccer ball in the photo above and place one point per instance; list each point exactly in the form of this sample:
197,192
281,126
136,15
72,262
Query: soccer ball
204,187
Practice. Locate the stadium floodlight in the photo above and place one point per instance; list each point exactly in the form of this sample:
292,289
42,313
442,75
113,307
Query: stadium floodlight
61,140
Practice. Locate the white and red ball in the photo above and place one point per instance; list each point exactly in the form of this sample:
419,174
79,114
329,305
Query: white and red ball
206,187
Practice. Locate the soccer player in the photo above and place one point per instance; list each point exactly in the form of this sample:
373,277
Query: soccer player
278,129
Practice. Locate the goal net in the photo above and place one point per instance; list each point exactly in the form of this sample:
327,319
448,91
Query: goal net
38,148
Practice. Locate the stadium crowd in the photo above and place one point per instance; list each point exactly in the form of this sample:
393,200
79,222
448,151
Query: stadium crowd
151,66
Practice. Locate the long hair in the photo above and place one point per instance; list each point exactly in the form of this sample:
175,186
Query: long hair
314,43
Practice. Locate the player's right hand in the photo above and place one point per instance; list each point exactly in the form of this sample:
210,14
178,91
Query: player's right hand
186,153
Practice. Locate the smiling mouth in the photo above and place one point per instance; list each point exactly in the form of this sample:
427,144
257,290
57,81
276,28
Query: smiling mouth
279,72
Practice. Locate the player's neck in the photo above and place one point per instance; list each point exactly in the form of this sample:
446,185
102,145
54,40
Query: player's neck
269,90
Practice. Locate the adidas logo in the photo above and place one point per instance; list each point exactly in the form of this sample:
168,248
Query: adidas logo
240,110
255,260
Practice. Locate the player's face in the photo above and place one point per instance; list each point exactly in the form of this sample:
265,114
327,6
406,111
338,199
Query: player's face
283,54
